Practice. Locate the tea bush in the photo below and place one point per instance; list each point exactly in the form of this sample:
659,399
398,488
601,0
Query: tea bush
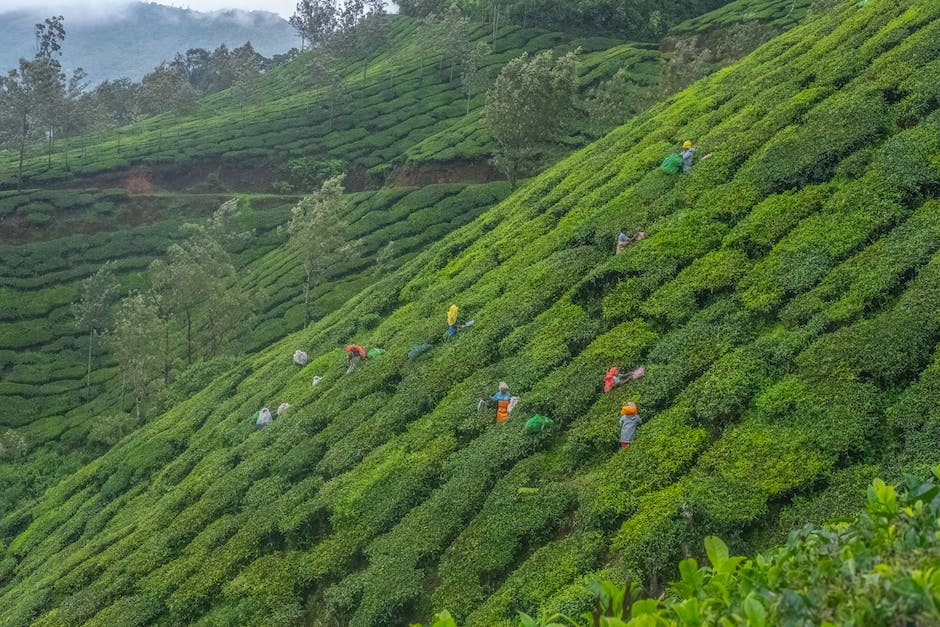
782,304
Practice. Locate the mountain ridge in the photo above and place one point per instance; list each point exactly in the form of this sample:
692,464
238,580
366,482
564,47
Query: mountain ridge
155,33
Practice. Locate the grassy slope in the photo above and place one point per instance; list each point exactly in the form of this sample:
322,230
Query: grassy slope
415,117
783,305
53,239
783,15
403,101
43,359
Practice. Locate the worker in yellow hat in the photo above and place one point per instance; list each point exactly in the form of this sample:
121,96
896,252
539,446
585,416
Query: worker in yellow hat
687,154
452,314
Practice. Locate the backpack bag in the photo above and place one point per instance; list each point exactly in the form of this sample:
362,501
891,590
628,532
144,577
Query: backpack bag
672,164
537,424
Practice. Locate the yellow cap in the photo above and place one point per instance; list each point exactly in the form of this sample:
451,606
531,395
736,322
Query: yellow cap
687,144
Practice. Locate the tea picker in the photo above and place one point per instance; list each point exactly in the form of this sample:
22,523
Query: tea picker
629,421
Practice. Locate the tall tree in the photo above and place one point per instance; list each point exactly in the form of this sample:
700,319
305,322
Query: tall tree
315,231
373,32
227,310
246,69
196,270
316,21
194,65
50,98
689,61
496,7
526,107
472,75
135,342
16,119
49,37
192,269
165,89
160,295
74,111
346,39
31,93
610,103
93,310
115,101
219,74
350,14
449,35
226,315
324,72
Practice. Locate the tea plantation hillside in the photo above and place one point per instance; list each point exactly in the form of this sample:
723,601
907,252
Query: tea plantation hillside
402,114
783,304
783,15
53,423
123,198
381,110
54,419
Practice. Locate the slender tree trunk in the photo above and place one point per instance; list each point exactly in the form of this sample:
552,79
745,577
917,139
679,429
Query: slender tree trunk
166,354
307,301
19,176
123,388
189,337
91,339
495,22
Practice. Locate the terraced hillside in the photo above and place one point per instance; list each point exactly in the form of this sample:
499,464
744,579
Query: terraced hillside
375,120
43,356
385,118
125,195
783,304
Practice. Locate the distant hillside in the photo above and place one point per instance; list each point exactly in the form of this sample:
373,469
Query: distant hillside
152,32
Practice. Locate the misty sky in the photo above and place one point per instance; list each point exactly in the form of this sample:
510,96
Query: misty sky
90,8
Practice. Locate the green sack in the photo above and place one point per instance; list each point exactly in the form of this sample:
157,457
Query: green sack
672,164
538,424
374,352
254,416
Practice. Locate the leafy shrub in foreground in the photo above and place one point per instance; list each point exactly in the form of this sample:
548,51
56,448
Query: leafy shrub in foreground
879,569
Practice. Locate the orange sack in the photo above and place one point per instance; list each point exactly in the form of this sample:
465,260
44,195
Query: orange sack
502,411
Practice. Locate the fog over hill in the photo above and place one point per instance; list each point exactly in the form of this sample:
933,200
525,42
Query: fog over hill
132,39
